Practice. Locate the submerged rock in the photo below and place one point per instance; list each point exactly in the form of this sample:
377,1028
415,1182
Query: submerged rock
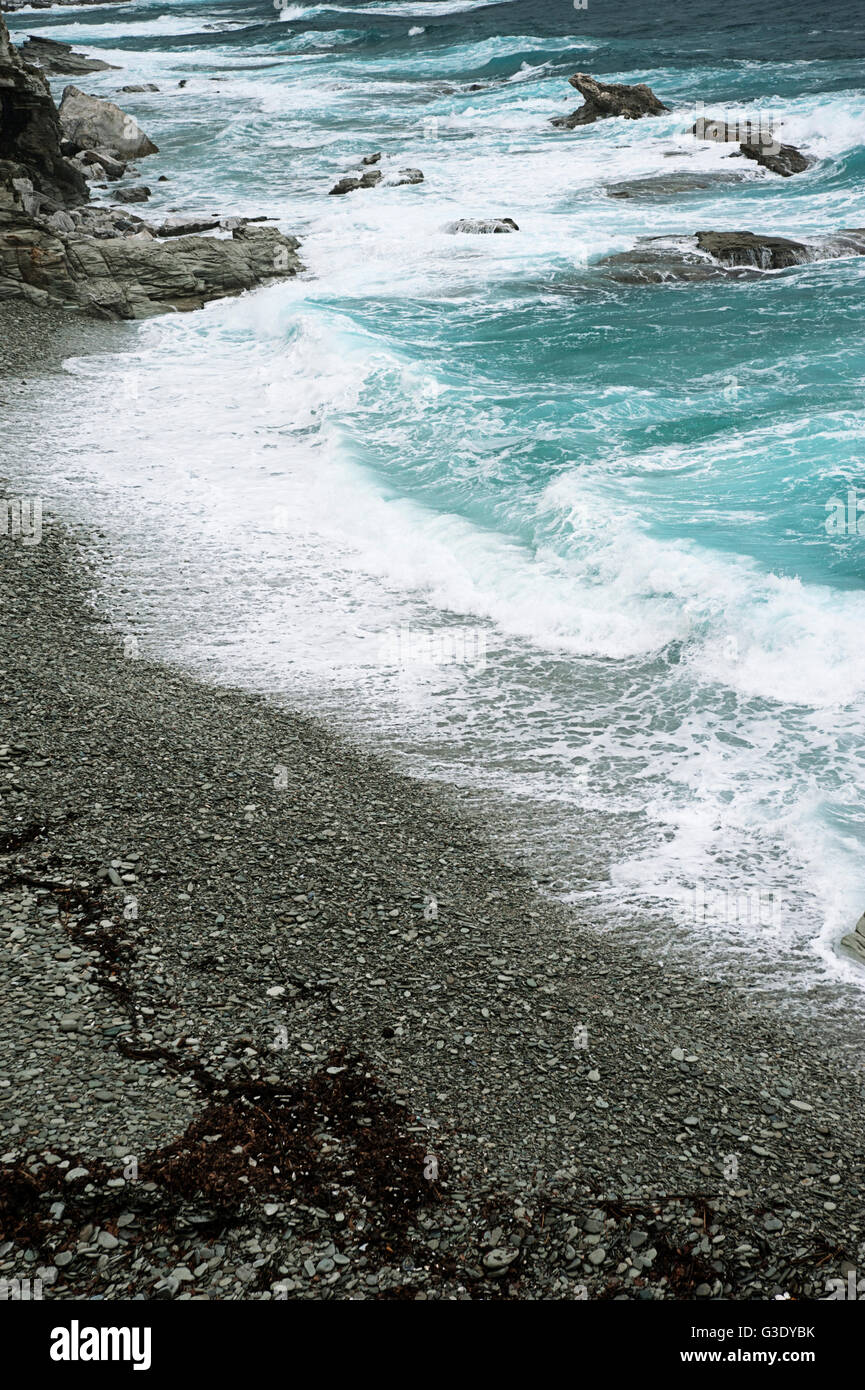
604,100
402,176
480,226
60,59
140,87
90,122
705,255
672,185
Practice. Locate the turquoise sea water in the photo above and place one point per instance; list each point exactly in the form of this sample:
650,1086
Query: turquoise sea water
619,490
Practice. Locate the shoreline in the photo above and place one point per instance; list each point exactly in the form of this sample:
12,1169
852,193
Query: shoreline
36,339
245,915
280,1022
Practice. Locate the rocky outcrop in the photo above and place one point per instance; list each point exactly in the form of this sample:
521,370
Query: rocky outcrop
367,175
55,249
401,176
480,226
60,59
780,159
706,255
30,133
777,253
187,226
92,123
757,141
758,252
99,165
349,183
131,275
137,193
603,100
658,186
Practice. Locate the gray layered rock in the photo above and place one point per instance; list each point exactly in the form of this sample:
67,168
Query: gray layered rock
30,133
60,59
130,274
98,221
57,250
604,100
98,164
92,123
658,186
187,226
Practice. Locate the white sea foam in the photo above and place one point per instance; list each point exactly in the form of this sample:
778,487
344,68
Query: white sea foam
398,9
160,26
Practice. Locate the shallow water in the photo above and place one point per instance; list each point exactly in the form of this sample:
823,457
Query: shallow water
607,501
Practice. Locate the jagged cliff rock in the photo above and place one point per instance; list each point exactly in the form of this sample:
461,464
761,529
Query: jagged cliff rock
60,59
30,132
603,100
